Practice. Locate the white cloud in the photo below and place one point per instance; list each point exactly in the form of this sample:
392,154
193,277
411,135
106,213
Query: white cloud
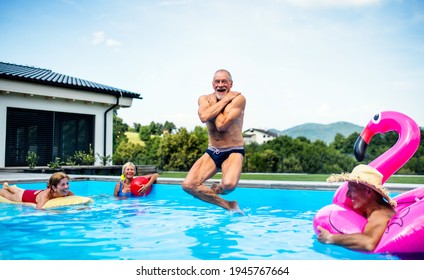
100,38
113,43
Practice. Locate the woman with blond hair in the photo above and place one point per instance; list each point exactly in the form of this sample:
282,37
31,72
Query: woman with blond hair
123,187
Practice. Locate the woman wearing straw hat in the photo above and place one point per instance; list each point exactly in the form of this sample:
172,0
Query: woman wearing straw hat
371,200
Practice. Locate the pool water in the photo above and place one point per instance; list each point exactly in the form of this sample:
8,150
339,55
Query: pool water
169,224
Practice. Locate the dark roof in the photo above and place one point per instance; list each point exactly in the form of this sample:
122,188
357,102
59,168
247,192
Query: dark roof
48,77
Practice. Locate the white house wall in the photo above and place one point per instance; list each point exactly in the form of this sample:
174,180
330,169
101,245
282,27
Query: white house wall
48,98
254,135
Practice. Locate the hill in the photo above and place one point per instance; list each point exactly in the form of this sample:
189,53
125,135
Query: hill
324,132
133,137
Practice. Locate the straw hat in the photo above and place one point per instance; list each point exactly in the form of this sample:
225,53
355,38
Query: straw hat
367,176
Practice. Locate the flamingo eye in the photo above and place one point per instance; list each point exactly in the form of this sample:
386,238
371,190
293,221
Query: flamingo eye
376,119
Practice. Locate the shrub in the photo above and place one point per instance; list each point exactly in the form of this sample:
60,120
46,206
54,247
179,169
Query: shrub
32,159
56,164
81,157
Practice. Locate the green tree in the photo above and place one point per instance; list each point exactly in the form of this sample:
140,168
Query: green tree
249,151
145,133
291,164
344,144
169,127
155,129
179,151
311,156
151,152
119,129
127,151
137,127
266,161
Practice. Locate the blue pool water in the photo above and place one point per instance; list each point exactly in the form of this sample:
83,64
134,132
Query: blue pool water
170,225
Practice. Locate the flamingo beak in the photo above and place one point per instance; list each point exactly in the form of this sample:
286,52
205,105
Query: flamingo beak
360,148
361,143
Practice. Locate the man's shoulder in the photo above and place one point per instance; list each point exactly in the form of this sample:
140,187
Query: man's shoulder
205,98
241,96
382,214
240,99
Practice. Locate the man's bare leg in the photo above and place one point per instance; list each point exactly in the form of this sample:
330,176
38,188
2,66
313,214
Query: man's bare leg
217,188
235,207
206,194
202,170
231,171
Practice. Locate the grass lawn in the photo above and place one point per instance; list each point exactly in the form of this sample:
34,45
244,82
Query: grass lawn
133,137
401,179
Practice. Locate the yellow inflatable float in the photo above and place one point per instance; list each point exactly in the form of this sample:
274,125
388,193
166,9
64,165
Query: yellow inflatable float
55,202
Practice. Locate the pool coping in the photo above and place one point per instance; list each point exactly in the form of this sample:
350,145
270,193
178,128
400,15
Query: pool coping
16,178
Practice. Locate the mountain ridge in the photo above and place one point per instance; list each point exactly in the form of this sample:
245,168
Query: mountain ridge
317,131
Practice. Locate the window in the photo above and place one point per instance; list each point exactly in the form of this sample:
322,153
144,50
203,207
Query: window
48,134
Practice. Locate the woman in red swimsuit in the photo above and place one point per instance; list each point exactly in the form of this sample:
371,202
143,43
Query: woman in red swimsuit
58,186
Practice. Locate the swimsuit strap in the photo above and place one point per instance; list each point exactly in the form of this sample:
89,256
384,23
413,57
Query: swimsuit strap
120,188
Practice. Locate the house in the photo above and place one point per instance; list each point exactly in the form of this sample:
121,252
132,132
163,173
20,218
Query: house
260,136
54,115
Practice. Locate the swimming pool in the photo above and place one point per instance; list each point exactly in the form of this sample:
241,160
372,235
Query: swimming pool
170,225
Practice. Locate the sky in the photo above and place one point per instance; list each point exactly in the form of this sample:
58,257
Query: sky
295,61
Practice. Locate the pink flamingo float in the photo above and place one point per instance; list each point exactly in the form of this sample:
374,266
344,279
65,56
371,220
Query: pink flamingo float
405,231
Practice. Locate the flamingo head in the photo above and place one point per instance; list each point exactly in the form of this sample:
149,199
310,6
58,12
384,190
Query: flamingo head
407,144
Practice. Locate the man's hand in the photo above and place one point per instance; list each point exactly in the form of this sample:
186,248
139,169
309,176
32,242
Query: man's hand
231,95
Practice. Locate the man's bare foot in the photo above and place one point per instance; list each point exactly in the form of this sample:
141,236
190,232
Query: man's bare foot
5,186
234,207
217,188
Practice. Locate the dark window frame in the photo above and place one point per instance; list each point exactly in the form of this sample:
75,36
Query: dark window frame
49,134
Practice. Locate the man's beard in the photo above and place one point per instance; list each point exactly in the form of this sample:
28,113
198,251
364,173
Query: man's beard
220,94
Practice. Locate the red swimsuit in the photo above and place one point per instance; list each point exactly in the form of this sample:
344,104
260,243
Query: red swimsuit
30,196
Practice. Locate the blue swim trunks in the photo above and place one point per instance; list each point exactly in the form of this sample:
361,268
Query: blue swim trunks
219,155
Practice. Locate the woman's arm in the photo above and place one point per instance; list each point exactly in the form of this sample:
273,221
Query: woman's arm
116,190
